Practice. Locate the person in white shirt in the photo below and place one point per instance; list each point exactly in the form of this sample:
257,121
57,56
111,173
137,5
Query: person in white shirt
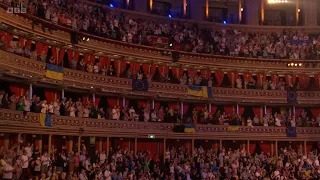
28,150
44,107
115,113
45,160
8,170
25,164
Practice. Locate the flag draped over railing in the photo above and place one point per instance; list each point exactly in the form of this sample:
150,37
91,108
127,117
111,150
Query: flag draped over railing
291,97
291,131
54,72
189,128
200,91
45,119
140,85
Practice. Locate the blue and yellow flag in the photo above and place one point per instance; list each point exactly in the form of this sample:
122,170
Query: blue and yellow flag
45,119
54,72
189,128
233,128
200,91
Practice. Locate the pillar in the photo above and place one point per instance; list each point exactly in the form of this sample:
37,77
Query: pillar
100,144
108,146
19,143
232,80
276,144
261,114
305,147
182,113
30,91
152,105
237,109
262,11
196,8
39,139
297,12
210,107
93,98
239,14
164,148
192,147
6,141
265,109
184,8
70,144
310,12
135,145
62,94
79,144
272,149
248,146
294,111
119,68
251,10
118,101
220,144
301,148
123,102
49,144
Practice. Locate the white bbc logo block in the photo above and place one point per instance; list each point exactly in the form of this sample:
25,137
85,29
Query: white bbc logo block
10,10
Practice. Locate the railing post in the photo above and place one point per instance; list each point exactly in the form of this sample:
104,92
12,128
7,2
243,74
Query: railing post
164,149
70,144
248,147
62,94
6,141
49,144
135,145
220,145
39,137
276,143
272,149
123,102
192,147
30,91
232,80
108,146
305,147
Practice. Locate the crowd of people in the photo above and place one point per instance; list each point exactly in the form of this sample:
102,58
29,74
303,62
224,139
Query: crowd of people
288,44
177,162
145,113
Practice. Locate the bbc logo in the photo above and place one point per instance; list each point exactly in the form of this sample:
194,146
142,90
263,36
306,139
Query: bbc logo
17,10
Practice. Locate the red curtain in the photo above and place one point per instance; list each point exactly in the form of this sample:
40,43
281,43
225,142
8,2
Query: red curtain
230,78
293,79
174,105
315,112
316,80
165,69
45,48
264,77
102,62
145,68
137,66
123,65
18,90
287,78
219,77
228,109
306,81
86,57
8,39
153,69
185,108
61,55
213,109
21,42
265,147
141,103
85,100
301,81
256,111
236,76
116,66
70,57
50,95
92,59
54,54
156,104
241,110
111,102
28,43
148,145
199,106
76,56
97,100
39,47
252,147
298,111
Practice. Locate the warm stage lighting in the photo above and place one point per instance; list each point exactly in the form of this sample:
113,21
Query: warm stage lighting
277,1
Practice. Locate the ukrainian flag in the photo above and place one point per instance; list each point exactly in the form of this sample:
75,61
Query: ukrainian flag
200,91
54,72
189,128
45,119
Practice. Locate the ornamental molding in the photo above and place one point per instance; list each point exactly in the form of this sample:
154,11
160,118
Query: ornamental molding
109,46
16,121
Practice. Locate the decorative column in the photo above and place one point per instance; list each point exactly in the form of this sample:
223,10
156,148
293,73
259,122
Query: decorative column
276,143
151,5
192,147
19,143
261,114
272,149
182,113
240,10
184,8
135,145
207,9
119,68
70,144
62,94
297,12
152,104
108,146
265,109
118,101
210,107
294,111
305,147
220,144
237,108
93,98
232,80
248,146
49,144
6,141
100,144
164,148
79,144
123,102
39,139
30,91
262,11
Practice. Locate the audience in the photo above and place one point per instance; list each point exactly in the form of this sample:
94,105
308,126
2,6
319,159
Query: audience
178,163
